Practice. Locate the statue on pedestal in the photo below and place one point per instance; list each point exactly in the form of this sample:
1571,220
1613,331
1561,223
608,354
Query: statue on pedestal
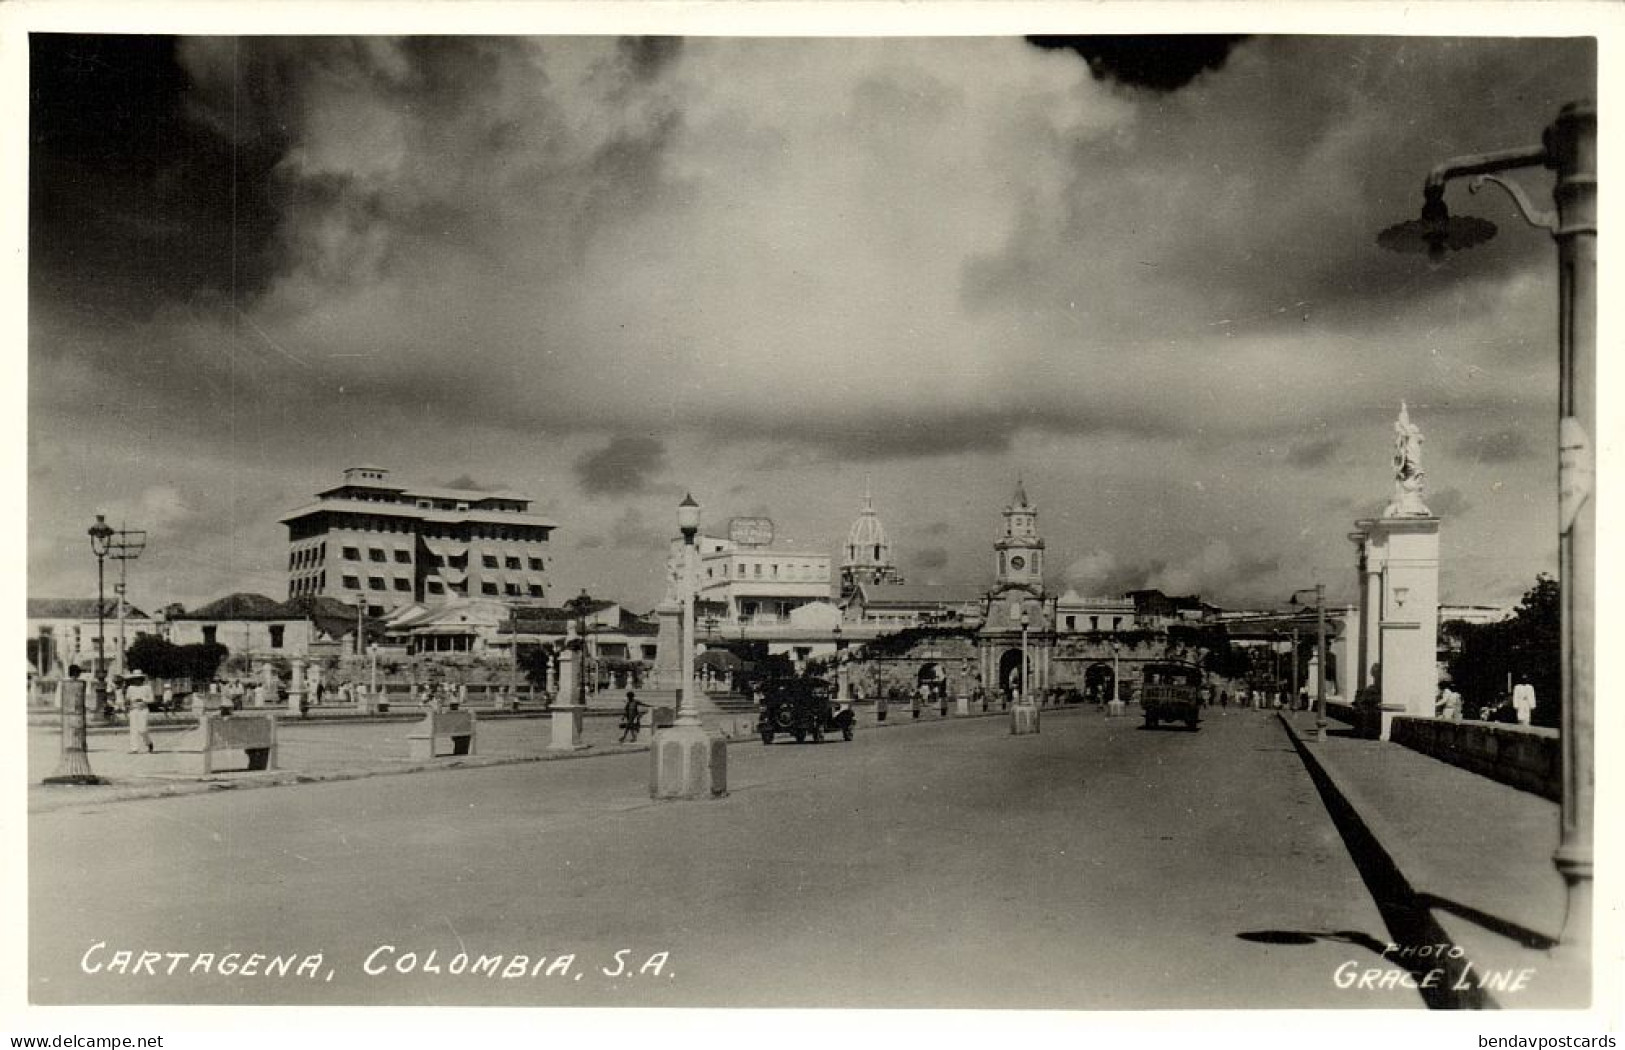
1406,501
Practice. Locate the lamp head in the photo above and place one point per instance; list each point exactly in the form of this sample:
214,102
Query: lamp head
1437,232
688,517
100,533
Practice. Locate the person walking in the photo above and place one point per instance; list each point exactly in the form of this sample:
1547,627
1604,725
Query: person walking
138,694
1523,700
631,718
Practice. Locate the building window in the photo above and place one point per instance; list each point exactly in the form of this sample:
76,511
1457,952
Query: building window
352,554
209,635
488,587
352,583
277,630
512,590
1094,623
1071,623
488,560
403,557
375,583
436,587
376,555
535,565
403,585
512,563
535,590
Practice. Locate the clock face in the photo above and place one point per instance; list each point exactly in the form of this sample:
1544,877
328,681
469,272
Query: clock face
1018,562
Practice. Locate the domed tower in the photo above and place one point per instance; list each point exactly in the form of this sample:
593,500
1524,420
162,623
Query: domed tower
1020,549
866,558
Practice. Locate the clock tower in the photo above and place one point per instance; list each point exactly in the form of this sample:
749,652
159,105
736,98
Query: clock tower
1020,550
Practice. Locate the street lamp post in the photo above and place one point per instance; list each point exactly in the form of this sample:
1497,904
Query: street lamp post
101,540
1568,148
73,766
1319,590
840,666
688,762
1025,623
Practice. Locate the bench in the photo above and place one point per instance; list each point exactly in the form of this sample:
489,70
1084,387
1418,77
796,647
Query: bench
442,733
254,735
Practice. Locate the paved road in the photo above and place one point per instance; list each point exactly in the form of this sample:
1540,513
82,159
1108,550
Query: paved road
1097,865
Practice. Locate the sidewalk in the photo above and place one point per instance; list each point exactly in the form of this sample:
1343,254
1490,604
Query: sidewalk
1452,858
331,748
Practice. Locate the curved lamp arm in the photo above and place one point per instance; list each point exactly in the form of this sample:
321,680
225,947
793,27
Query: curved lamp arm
1545,220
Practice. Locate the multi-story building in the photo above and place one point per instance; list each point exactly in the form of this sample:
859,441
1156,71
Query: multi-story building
396,545
747,581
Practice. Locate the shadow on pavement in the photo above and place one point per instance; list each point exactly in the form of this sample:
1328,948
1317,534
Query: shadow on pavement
1406,913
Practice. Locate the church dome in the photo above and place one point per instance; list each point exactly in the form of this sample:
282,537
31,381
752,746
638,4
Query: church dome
866,543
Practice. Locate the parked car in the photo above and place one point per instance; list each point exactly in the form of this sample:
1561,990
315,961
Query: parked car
803,708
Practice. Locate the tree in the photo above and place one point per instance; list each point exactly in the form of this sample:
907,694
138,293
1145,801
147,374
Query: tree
1528,643
533,660
154,656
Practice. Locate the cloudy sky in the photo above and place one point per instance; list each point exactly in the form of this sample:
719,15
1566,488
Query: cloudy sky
608,271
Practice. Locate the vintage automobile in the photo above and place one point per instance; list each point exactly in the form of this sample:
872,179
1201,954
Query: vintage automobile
803,708
1171,691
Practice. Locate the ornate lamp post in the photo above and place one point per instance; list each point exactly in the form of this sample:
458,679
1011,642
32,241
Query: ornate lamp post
840,666
1023,696
1319,591
73,767
1569,148
101,541
687,761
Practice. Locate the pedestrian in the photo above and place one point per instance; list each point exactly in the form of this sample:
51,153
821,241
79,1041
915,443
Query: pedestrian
631,718
138,694
1224,698
1523,700
915,703
880,707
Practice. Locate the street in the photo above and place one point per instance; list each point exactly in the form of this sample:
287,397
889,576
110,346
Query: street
1095,866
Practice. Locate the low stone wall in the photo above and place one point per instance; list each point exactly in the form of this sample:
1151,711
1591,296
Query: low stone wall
1526,757
1366,721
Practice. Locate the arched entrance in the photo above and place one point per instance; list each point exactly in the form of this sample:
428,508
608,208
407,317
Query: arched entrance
930,680
1011,680
1097,683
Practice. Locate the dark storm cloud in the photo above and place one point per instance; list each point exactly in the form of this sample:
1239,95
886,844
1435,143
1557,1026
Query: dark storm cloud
1497,446
648,56
1263,186
134,202
1157,63
624,466
468,483
929,558
1313,453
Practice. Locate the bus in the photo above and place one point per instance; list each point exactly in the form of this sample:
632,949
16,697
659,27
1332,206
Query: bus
1171,691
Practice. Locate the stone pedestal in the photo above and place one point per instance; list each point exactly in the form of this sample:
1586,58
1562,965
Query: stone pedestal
1402,560
686,762
1023,717
567,727
962,706
363,699
1115,708
296,686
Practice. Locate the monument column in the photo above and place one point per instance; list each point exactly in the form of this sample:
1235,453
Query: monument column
1400,554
